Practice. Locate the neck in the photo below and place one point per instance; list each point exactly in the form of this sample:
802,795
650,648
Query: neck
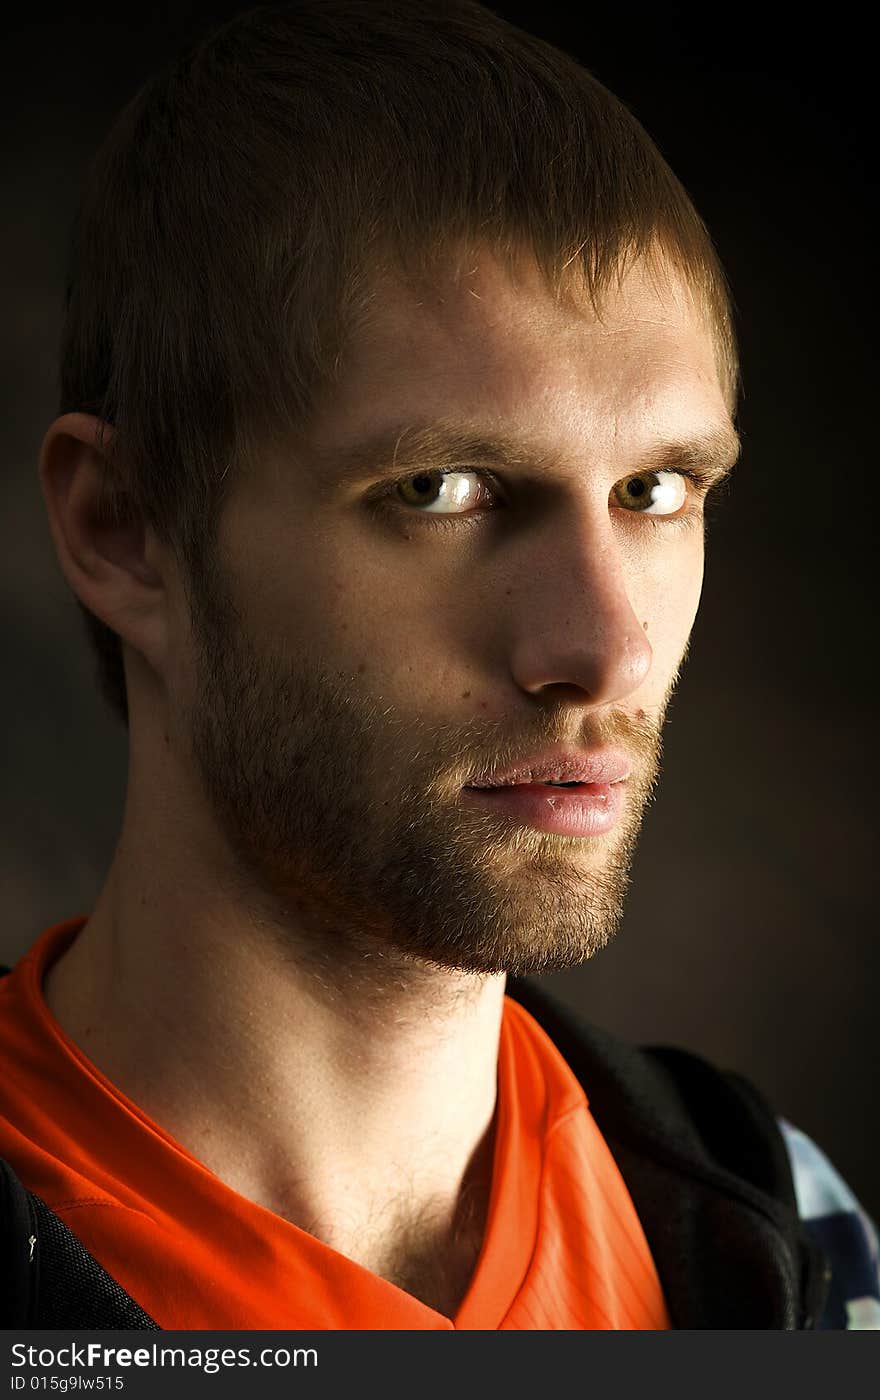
305,1096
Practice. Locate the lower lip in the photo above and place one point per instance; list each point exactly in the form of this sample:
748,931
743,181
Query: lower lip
590,810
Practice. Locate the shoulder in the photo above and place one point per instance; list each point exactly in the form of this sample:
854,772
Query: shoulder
839,1225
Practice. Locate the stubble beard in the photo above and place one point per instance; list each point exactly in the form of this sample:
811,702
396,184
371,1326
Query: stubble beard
348,834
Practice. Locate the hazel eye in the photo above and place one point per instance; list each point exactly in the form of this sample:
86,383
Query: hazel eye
441,491
652,493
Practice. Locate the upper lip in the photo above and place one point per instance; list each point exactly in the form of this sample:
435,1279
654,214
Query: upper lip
560,766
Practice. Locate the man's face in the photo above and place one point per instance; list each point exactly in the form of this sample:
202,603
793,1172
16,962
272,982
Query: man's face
389,634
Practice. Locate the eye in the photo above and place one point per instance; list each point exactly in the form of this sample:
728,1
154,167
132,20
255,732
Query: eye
442,491
652,493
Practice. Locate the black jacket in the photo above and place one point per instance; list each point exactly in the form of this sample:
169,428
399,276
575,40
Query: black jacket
699,1149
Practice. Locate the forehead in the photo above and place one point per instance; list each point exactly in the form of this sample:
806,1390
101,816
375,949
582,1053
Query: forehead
482,343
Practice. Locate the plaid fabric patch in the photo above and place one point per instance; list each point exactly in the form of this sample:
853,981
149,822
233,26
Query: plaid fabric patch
844,1231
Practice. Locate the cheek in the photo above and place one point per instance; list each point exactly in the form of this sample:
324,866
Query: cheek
359,611
289,579
666,596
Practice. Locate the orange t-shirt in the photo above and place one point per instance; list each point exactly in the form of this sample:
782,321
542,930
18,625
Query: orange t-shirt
563,1247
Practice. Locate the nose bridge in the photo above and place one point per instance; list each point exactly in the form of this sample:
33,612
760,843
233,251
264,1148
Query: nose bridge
574,621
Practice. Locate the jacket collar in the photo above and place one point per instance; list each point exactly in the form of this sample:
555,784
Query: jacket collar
707,1170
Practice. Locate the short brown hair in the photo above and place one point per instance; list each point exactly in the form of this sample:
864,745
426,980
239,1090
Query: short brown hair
233,216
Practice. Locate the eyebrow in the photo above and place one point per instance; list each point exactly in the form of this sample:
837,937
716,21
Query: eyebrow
713,451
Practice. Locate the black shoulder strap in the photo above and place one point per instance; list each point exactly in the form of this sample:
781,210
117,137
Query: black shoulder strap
49,1279
18,1262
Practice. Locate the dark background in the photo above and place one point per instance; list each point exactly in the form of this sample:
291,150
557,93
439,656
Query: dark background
750,933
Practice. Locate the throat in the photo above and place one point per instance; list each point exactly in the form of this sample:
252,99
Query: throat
427,1255
438,1270
438,1275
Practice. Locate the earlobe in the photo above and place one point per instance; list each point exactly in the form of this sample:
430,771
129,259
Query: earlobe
97,531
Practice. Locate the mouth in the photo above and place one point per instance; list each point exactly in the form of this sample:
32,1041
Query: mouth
569,808
573,783
559,768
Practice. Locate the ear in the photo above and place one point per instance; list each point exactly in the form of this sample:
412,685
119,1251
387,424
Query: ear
112,562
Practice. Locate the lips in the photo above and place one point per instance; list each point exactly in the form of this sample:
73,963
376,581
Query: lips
587,809
560,766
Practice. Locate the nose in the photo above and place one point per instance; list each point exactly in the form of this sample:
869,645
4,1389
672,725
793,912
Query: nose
573,622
